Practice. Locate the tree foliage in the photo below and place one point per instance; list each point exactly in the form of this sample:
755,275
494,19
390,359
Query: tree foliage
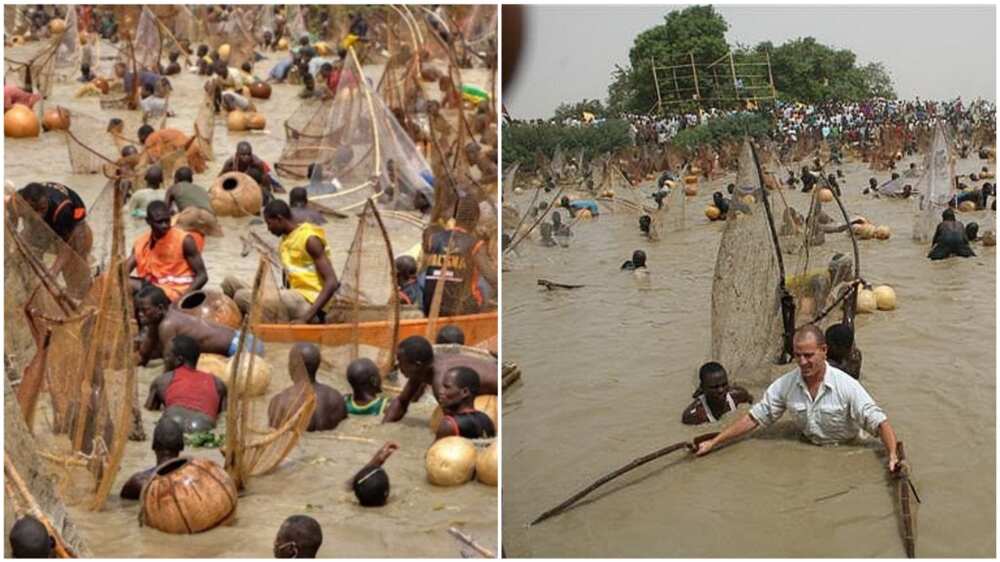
722,129
804,70
523,141
576,110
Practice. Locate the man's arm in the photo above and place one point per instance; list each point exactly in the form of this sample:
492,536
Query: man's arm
223,391
743,426
154,400
486,267
147,346
130,263
691,417
397,408
447,428
888,436
193,257
168,197
317,251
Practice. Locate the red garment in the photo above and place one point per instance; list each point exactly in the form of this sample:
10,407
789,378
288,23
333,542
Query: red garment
12,94
193,390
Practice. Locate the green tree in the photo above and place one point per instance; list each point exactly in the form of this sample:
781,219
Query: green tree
522,141
808,71
575,110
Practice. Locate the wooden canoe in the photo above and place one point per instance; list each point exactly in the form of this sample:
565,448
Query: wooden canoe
477,328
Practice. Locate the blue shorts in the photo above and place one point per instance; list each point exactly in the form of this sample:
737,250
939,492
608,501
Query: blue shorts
255,345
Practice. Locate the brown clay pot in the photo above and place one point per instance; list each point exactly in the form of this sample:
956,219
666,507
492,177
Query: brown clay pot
213,306
256,121
20,122
188,496
56,119
235,194
260,90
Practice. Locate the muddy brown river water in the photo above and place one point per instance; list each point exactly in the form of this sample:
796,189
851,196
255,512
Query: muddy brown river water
607,370
312,478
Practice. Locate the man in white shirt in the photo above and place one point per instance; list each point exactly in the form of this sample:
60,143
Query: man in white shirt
829,405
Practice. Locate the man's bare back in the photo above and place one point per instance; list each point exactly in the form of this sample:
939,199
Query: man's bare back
331,408
211,337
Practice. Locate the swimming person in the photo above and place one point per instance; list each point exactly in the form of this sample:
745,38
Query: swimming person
714,397
168,442
365,398
638,261
190,397
459,389
843,353
950,239
331,408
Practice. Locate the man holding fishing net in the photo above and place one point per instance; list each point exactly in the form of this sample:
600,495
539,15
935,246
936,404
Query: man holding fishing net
829,406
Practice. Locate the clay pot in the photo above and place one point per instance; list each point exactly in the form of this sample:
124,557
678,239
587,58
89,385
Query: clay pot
55,119
17,41
990,238
235,194
584,214
188,496
690,189
57,26
322,48
282,44
967,206
885,297
224,50
486,465
712,212
260,90
213,364
450,461
102,85
237,120
250,382
213,306
429,74
825,195
20,122
256,121
882,233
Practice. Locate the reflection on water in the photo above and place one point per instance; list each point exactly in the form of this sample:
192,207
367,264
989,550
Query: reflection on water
619,363
312,479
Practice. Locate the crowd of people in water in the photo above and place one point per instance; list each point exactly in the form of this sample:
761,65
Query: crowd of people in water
167,263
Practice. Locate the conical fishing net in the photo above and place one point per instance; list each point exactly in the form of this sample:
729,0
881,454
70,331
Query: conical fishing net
36,72
28,486
935,188
69,51
148,45
295,23
90,146
237,32
746,311
359,141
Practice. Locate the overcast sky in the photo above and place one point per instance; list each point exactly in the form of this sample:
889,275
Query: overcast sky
935,52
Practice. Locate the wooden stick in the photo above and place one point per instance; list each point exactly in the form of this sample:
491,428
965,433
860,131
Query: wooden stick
468,541
903,488
689,445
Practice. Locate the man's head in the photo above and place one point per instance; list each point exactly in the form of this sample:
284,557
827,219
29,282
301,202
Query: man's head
278,216
639,258
415,356
168,439
144,131
303,360
298,197
451,334
972,231
30,539
147,90
872,182
406,269
809,350
244,153
948,215
546,231
371,486
36,196
183,350
300,536
152,304
154,176
202,50
85,69
158,218
840,267
839,340
174,55
717,198
556,219
363,376
183,174
325,69
714,382
459,386
129,150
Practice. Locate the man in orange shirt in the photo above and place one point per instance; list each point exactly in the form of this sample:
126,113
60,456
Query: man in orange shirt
165,141
167,256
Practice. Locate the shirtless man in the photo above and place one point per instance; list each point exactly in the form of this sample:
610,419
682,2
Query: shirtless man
459,388
298,200
159,322
192,398
371,483
168,442
950,238
714,397
423,364
303,362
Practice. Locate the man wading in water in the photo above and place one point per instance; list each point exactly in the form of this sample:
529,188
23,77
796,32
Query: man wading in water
828,405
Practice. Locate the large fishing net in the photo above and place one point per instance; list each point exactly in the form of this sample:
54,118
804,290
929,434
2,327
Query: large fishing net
746,307
28,486
358,143
936,187
256,441
147,43
81,331
36,71
237,32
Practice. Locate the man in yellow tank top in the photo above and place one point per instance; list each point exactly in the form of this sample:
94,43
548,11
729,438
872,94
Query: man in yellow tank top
305,257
